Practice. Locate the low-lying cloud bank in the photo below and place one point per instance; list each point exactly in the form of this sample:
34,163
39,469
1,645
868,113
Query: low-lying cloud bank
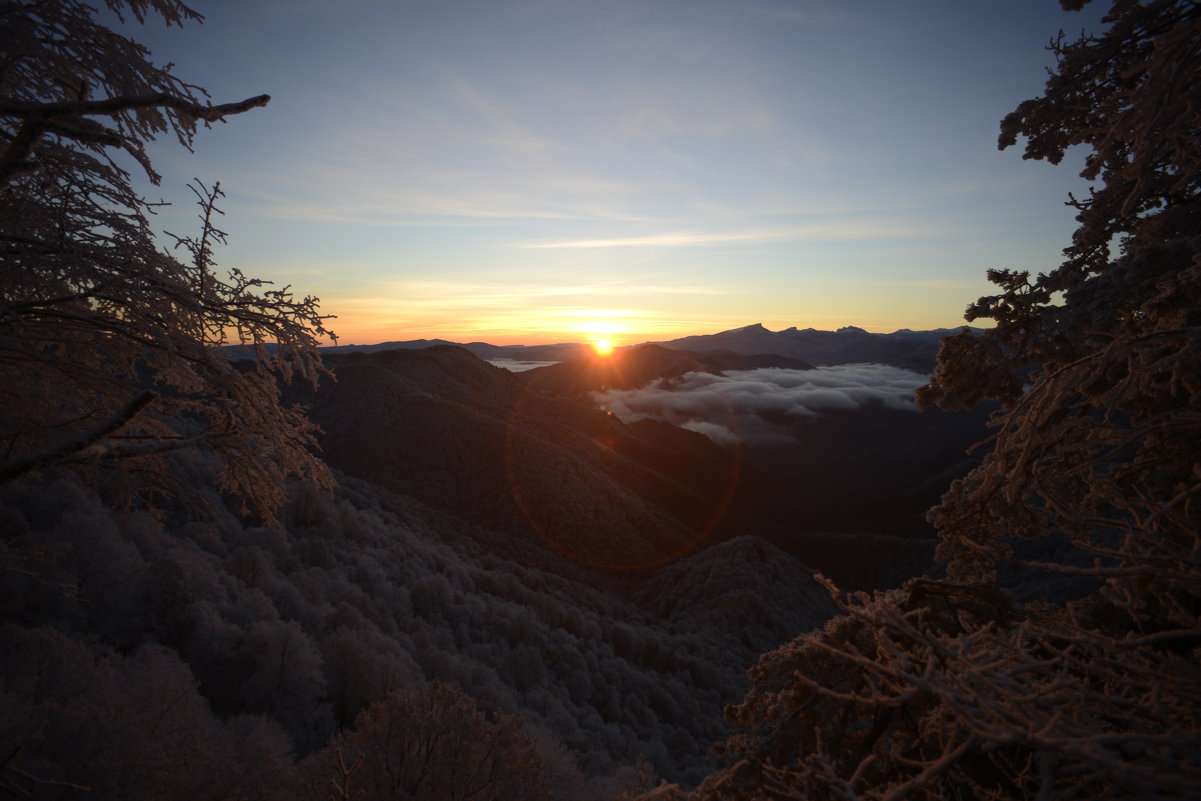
740,404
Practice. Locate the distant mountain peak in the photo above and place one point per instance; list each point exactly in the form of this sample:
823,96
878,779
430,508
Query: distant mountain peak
912,350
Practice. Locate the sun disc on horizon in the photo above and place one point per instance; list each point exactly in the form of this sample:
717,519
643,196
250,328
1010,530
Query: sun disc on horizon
603,347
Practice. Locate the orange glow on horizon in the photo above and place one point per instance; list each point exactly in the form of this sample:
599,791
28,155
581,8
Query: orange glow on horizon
365,329
603,347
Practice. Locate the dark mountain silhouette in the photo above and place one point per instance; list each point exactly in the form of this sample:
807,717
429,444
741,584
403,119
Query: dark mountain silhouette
634,367
731,360
528,455
535,353
444,427
913,350
873,469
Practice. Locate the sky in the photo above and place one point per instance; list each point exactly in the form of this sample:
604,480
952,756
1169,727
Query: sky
534,171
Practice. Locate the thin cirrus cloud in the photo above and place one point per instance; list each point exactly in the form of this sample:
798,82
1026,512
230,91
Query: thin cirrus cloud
846,231
346,193
737,406
487,292
412,209
418,156
526,310
467,155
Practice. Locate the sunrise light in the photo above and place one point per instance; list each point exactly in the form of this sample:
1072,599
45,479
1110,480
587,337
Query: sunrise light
603,347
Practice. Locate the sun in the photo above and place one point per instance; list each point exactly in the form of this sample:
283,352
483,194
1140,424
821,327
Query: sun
603,347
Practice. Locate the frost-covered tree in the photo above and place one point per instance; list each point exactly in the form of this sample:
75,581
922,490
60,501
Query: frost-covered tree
1100,440
82,720
110,345
431,743
949,689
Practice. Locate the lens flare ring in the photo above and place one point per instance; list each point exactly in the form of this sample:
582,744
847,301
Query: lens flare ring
536,513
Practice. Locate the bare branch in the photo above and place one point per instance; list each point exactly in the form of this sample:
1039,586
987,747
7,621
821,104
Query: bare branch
77,446
116,105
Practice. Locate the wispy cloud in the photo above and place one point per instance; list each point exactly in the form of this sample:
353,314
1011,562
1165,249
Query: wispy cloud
665,116
491,122
446,150
490,292
404,195
845,231
930,283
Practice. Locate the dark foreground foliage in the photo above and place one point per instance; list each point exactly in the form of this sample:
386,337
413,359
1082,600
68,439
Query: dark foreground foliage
109,346
950,689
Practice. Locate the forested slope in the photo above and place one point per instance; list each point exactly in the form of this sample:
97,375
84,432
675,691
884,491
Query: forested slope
258,642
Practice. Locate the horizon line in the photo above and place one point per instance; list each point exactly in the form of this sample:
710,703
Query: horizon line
584,341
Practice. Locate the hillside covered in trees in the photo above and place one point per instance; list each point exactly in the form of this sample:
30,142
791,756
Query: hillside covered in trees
411,574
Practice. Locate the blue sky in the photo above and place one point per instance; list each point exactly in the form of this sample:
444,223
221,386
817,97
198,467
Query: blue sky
553,170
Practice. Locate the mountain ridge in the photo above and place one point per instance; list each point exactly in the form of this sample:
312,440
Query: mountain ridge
441,425
633,367
908,348
912,350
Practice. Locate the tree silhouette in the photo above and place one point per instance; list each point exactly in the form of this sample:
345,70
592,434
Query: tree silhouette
1102,444
949,689
109,346
431,743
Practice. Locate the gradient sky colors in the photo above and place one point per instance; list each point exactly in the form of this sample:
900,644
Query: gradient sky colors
529,171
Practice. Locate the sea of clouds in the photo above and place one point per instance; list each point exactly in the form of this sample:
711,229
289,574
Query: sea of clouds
741,404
